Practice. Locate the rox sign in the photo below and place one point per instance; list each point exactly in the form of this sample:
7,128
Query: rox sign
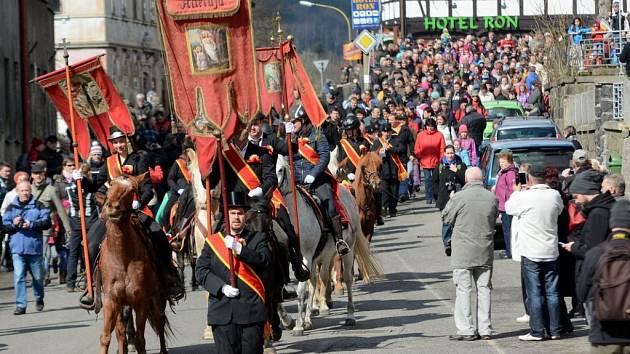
471,23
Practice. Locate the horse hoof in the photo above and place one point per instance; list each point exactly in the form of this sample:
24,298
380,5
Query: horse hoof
324,312
269,350
131,348
298,332
350,322
315,312
308,326
339,290
290,326
329,303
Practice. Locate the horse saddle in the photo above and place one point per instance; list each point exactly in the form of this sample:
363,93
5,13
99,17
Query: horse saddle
315,203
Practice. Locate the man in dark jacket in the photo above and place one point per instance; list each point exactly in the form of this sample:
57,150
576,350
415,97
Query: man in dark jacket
476,124
625,55
390,151
237,311
53,159
606,336
586,190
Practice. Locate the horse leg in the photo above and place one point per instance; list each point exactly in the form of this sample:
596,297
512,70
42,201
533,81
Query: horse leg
287,322
160,318
193,278
348,278
298,330
110,311
120,332
324,302
338,275
141,320
312,286
131,331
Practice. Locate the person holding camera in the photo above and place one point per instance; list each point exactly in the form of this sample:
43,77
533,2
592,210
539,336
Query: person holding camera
25,220
448,177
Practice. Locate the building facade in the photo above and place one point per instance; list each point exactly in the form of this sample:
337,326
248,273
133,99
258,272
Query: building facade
125,31
27,51
462,16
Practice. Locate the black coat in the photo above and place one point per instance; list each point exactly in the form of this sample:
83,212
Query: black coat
53,159
389,170
139,166
246,308
406,139
443,174
601,332
331,131
356,144
624,57
176,179
265,170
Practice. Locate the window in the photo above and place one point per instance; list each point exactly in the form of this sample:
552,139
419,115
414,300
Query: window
526,133
558,157
618,100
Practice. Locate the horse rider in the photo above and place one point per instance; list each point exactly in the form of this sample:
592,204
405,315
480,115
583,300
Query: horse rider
236,313
392,171
122,162
260,153
178,180
352,145
310,170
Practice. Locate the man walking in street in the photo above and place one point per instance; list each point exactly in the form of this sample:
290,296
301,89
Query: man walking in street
472,213
24,220
535,209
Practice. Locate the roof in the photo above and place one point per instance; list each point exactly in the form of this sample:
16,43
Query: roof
502,104
534,142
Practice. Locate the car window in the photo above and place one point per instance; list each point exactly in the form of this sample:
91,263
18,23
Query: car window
526,133
501,112
558,157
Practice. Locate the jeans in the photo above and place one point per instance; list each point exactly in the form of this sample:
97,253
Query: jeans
506,221
427,173
21,264
403,189
463,314
447,232
541,281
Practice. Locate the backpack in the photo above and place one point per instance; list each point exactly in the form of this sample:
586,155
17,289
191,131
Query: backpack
611,301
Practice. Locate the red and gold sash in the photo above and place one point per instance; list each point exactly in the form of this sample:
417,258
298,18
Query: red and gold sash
353,156
307,151
244,272
182,167
247,175
402,171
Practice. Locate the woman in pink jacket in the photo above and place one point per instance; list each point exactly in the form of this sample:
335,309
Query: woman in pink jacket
429,149
503,189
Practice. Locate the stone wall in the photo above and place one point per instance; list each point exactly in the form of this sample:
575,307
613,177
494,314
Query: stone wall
587,103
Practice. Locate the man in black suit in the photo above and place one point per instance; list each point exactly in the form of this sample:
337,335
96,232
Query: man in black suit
237,311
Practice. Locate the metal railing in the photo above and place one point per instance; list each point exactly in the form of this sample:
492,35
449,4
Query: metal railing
597,50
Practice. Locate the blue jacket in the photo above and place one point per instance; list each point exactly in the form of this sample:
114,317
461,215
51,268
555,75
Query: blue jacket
303,167
27,241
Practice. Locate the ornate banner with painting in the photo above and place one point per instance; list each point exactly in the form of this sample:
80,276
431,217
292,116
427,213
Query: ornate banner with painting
212,68
95,100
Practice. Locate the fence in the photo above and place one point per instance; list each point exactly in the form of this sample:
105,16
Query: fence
597,50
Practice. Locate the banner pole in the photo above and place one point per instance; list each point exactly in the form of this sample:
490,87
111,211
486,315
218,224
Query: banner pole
226,209
75,150
296,217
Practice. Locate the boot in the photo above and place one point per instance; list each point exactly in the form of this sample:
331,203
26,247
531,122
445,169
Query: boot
340,244
299,269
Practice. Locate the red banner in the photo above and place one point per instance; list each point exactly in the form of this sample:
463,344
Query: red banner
272,79
96,102
212,68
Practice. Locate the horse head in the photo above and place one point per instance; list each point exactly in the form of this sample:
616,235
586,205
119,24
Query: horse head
369,170
282,171
120,196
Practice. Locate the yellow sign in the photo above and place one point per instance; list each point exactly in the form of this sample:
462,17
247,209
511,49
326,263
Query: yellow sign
366,41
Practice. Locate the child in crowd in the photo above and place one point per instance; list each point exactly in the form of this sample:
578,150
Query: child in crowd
468,144
465,156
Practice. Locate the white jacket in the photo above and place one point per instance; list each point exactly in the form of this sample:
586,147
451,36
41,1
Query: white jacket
448,132
535,223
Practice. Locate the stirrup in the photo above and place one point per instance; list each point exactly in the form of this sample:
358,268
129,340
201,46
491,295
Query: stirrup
342,247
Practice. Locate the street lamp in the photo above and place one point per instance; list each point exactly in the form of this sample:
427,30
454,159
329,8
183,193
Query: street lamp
345,17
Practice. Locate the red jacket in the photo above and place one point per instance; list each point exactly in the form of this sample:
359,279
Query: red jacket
429,148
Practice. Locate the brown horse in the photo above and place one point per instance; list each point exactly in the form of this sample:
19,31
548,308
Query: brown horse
128,272
365,185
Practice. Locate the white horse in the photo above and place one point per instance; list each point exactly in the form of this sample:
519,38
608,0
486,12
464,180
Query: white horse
321,266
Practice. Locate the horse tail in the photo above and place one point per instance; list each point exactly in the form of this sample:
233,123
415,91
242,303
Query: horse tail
367,262
156,314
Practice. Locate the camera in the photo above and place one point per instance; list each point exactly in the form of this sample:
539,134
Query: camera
450,186
20,223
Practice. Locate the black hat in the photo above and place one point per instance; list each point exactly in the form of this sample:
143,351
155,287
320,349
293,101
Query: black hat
51,139
297,112
588,182
350,122
38,167
620,215
237,200
370,129
115,133
360,110
386,127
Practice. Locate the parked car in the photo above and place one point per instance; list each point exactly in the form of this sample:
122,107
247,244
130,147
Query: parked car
525,128
500,109
551,152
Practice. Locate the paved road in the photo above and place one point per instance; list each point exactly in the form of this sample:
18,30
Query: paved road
409,311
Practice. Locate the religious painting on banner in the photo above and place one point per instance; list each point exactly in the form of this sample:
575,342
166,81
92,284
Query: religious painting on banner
212,68
96,103
271,77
